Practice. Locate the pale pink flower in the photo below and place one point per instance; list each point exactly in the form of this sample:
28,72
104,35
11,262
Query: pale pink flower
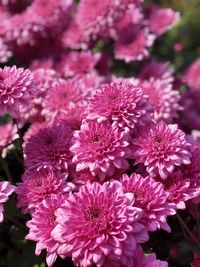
100,148
161,149
8,133
50,146
41,226
97,223
121,102
6,189
162,19
162,97
5,52
151,197
16,88
77,62
192,77
38,184
133,44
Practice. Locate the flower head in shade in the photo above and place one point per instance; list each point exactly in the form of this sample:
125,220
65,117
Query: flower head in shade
8,132
192,77
6,189
121,102
196,262
33,130
151,197
78,62
163,98
101,148
50,146
59,97
38,184
162,19
162,148
16,88
99,222
41,226
157,70
133,44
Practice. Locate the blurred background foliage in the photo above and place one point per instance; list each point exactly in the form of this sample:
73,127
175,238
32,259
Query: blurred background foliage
180,46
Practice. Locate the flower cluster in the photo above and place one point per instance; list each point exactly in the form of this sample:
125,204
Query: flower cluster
106,158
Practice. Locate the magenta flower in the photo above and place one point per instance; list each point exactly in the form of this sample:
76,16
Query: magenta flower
101,148
151,197
50,146
41,226
121,102
16,88
59,97
162,97
98,223
70,64
161,149
6,189
38,184
162,19
192,77
133,44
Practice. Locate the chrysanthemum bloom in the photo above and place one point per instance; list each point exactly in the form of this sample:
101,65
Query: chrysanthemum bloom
121,102
50,146
157,70
101,148
16,88
45,79
97,17
163,98
41,226
192,77
33,130
59,97
161,149
77,62
99,222
196,262
162,19
133,44
6,189
151,197
150,260
38,184
8,132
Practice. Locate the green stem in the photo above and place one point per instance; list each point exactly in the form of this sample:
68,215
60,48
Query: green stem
188,230
6,169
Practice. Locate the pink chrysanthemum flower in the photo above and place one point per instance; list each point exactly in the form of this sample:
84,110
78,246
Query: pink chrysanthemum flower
8,133
38,184
99,222
121,102
33,130
16,88
157,70
101,148
78,62
60,96
50,146
101,17
5,53
162,97
133,44
162,19
45,79
161,149
151,197
196,262
6,189
41,226
192,77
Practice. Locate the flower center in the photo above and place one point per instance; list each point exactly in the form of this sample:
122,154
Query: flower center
96,139
93,213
